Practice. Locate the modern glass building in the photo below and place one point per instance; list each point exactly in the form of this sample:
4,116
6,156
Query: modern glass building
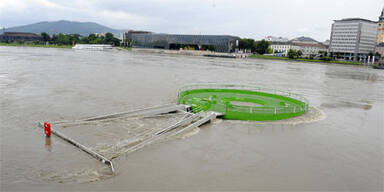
219,43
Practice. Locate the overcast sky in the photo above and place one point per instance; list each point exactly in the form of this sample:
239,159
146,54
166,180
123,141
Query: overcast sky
245,18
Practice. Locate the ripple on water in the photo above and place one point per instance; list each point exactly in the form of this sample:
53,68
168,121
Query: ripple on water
80,176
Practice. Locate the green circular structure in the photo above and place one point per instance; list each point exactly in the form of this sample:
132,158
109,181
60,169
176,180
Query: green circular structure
243,102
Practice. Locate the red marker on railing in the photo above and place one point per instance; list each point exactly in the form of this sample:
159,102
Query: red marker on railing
47,129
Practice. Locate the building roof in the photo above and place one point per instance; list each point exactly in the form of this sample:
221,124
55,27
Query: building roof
281,43
20,34
274,39
303,39
310,45
184,36
355,19
133,31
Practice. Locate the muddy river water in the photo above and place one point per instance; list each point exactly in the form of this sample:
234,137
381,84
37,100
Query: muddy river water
342,151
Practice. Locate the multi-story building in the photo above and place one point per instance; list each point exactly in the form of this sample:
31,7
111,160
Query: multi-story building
219,43
308,47
282,48
19,36
353,39
311,49
380,35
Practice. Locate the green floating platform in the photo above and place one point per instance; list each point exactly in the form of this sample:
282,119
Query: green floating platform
242,102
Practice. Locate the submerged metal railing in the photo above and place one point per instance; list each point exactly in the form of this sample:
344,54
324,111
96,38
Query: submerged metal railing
287,109
138,112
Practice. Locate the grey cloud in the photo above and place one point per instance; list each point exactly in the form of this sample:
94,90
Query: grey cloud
245,18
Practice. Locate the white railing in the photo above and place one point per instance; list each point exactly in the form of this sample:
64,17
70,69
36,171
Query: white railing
252,109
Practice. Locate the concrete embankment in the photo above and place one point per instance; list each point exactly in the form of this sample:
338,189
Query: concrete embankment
192,53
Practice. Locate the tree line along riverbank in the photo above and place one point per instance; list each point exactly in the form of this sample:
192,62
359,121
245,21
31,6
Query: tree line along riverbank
66,40
52,46
129,49
35,45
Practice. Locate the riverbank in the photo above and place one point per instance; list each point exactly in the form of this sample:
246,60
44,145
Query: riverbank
191,52
124,48
54,46
35,45
194,53
304,60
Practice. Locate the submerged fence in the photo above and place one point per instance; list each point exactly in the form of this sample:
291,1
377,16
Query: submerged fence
275,105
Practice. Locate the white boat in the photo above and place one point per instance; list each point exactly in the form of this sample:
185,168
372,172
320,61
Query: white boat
98,47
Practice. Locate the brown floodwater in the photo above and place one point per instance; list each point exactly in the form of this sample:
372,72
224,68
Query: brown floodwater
337,146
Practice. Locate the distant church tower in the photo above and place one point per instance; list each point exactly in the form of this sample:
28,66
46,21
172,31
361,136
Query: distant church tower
380,36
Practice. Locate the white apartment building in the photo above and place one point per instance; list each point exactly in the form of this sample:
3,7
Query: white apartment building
311,49
307,49
353,39
283,47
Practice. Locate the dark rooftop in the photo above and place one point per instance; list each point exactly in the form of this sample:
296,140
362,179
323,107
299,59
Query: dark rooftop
304,39
356,19
20,34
